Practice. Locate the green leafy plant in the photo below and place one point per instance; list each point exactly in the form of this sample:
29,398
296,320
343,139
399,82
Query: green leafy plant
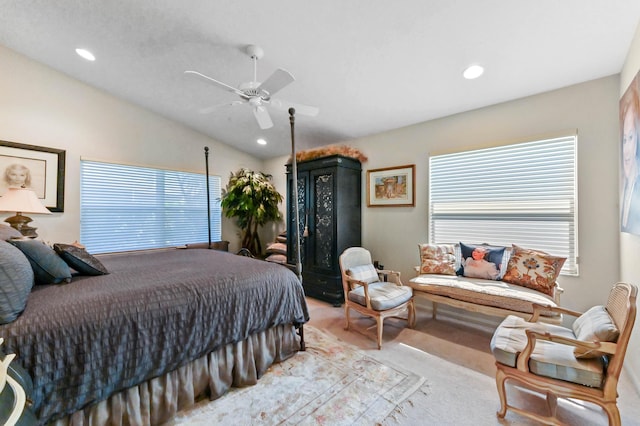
253,200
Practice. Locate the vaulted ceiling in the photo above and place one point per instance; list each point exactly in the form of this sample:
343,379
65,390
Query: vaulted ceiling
368,65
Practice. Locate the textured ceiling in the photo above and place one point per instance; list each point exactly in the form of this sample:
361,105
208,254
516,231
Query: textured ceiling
368,65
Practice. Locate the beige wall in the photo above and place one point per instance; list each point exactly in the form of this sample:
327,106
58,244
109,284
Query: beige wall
630,244
43,107
393,233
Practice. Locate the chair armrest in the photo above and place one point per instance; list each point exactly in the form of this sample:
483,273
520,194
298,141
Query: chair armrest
364,284
392,276
522,363
538,309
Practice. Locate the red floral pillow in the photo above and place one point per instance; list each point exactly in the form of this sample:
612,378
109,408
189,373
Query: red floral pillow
437,259
533,269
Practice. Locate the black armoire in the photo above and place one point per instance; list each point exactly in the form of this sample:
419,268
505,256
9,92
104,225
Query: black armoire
329,200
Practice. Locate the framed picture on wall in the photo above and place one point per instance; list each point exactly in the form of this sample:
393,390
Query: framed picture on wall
391,186
630,161
38,168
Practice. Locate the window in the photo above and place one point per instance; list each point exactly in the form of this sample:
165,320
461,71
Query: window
523,194
131,208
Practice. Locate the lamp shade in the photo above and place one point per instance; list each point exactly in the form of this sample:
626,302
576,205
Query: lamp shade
22,200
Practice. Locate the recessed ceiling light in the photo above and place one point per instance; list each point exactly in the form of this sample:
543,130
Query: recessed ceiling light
474,71
261,141
86,54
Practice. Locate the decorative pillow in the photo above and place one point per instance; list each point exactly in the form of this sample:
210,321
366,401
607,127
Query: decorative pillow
277,258
48,267
481,261
279,248
7,232
80,260
366,273
533,269
594,325
437,259
16,281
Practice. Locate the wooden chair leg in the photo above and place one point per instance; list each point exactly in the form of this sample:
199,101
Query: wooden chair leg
612,413
434,310
380,323
346,314
500,379
411,314
552,404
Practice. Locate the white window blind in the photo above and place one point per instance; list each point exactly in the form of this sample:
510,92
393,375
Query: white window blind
131,208
523,194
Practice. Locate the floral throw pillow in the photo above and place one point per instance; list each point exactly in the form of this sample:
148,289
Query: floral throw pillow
533,269
437,259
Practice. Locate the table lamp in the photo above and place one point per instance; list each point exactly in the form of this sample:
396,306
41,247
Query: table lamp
22,200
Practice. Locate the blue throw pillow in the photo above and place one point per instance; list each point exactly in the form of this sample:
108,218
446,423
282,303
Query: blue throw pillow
48,267
80,260
481,261
16,281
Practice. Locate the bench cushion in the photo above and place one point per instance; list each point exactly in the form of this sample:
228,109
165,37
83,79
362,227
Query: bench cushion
548,359
498,294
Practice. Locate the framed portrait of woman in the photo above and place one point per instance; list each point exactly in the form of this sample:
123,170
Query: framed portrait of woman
630,159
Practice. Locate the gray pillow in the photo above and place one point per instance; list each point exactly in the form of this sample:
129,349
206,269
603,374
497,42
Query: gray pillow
80,260
7,232
48,267
16,281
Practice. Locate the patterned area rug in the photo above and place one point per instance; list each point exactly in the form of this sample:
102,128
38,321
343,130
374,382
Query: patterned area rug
332,383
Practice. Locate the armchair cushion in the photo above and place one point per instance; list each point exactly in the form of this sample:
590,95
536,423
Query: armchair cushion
383,295
594,325
548,359
366,273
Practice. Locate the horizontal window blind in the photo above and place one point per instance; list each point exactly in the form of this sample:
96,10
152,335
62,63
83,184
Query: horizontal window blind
132,208
523,194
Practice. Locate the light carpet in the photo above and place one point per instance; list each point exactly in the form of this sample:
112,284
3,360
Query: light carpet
331,383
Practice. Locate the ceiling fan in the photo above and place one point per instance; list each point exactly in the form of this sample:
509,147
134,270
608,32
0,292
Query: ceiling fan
257,94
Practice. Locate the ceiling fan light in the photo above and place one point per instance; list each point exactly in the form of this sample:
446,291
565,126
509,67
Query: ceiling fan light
473,71
84,53
261,141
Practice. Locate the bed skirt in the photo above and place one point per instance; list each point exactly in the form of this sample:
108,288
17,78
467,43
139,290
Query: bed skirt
158,400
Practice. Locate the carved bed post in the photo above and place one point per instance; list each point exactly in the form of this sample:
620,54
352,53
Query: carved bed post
206,165
296,230
294,174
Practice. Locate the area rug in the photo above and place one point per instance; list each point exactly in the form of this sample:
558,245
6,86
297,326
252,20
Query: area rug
331,383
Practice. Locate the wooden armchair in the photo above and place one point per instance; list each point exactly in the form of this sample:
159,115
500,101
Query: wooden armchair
583,362
375,293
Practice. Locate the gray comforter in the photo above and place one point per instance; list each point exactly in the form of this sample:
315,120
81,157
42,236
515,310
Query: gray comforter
155,311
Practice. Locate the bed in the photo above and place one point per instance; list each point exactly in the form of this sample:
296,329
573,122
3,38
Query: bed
163,329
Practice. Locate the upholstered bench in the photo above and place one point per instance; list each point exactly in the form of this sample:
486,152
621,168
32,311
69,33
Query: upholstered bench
496,298
516,279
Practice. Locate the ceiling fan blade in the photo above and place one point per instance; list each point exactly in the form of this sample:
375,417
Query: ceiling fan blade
210,109
216,82
300,109
279,79
263,117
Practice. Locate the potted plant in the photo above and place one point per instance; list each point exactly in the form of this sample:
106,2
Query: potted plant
253,200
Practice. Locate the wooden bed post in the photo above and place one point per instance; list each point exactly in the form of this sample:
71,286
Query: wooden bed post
206,165
294,175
